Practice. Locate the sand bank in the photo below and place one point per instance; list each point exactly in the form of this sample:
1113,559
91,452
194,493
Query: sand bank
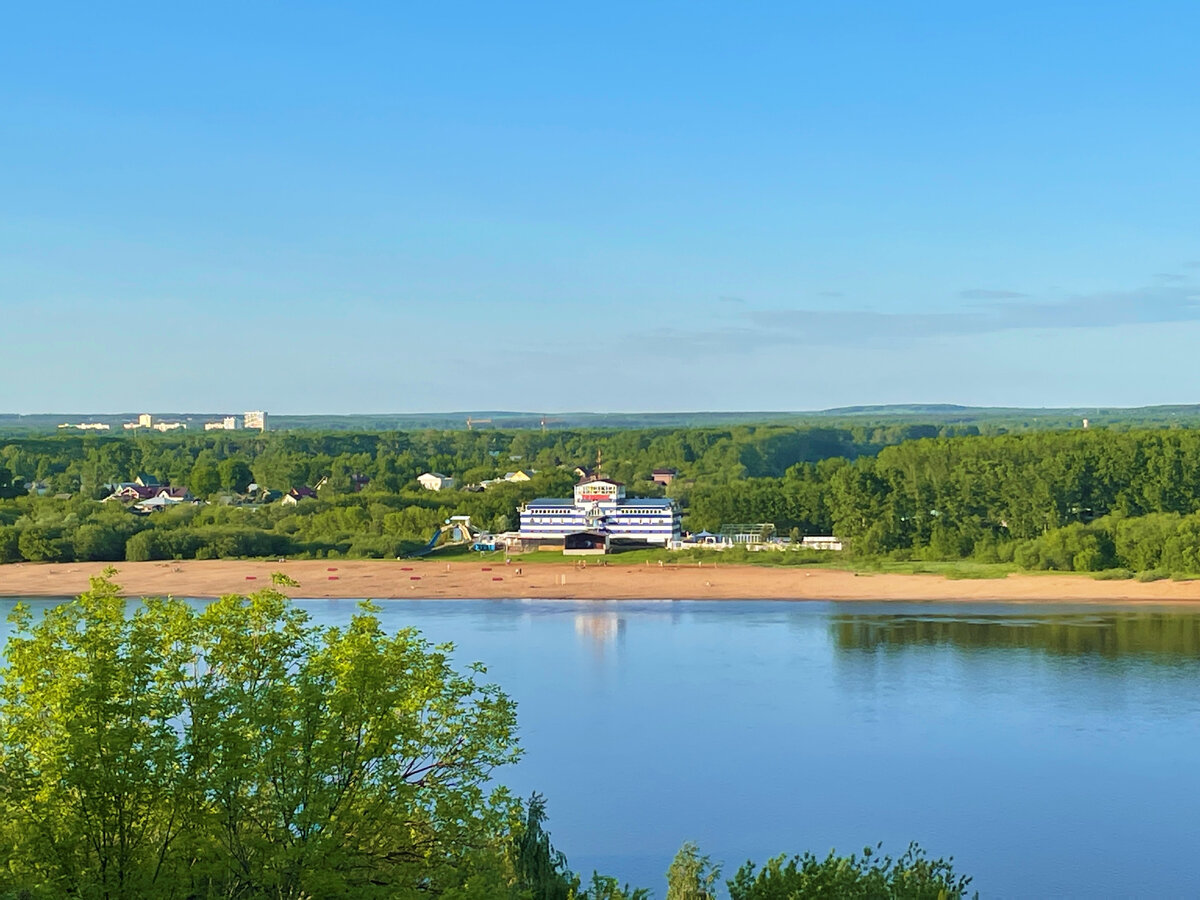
387,579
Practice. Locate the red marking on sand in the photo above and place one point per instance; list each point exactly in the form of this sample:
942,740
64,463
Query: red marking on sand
486,569
333,578
497,579
331,569
251,577
414,577
406,568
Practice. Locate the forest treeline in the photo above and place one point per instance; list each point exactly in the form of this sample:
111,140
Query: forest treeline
369,503
1082,500
1070,501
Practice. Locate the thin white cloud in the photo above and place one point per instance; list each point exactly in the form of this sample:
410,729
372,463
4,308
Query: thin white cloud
760,328
986,294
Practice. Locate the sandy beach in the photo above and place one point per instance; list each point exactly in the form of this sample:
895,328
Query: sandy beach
388,580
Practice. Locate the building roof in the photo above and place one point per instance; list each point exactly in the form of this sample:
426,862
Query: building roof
597,478
665,472
137,491
621,504
153,503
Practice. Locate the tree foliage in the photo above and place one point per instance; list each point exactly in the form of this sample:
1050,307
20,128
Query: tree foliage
692,876
911,876
242,751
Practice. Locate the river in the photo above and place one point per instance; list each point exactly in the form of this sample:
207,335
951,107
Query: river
1052,750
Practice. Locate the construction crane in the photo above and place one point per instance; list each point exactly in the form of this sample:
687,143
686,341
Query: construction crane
471,423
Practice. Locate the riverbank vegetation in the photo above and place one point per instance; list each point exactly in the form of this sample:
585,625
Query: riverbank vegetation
238,750
1119,504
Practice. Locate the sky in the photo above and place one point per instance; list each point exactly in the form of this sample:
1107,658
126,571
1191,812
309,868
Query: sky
401,207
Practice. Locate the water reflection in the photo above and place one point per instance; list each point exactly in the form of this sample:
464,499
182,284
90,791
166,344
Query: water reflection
1162,634
602,630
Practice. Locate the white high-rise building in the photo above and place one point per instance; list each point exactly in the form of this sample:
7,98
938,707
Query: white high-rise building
256,419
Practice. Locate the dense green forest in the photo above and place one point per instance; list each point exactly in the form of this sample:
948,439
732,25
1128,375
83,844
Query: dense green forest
1084,500
369,503
239,750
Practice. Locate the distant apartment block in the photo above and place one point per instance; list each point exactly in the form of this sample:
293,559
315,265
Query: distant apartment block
229,423
86,426
256,419
146,420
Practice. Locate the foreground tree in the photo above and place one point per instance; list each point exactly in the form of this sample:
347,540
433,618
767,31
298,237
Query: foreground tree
92,764
541,873
540,870
242,751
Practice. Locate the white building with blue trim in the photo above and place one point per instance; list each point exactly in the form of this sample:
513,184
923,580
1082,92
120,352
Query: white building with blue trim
600,508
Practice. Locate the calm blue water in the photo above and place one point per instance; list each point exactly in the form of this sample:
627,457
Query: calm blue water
1049,750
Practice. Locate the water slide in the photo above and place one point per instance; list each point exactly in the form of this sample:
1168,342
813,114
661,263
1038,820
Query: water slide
428,548
459,529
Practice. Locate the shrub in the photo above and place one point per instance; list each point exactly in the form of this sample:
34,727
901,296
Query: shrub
38,544
95,542
1113,575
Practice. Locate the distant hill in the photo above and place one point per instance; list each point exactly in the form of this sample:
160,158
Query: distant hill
997,418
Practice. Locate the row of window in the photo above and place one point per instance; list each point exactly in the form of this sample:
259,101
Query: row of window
611,520
609,526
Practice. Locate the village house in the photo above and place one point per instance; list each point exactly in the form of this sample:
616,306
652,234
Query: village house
162,497
296,494
664,476
435,481
135,493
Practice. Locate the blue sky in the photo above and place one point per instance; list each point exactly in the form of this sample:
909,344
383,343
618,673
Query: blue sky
417,207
